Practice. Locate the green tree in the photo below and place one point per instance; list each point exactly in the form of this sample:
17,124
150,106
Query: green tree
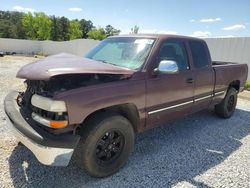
75,30
28,23
97,34
7,30
39,26
55,29
135,30
42,25
111,31
16,20
86,26
64,28
11,25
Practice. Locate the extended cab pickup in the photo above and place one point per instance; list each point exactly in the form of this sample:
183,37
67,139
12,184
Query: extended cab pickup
93,106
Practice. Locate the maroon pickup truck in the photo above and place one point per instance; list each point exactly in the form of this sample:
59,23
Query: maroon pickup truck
93,106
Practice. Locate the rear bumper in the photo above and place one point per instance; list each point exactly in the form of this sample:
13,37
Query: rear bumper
49,149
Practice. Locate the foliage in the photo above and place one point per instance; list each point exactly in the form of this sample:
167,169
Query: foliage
28,22
42,54
86,26
110,31
135,30
39,26
97,34
11,25
6,29
64,28
247,85
55,29
75,29
42,25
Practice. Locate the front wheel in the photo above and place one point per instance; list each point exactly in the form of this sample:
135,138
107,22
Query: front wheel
107,141
226,107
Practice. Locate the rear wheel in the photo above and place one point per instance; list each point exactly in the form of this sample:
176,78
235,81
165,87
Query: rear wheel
107,141
227,106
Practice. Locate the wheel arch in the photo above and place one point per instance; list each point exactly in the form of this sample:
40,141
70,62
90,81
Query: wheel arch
128,110
235,84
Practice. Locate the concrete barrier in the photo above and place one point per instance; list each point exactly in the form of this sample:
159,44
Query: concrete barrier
230,49
20,46
235,49
77,47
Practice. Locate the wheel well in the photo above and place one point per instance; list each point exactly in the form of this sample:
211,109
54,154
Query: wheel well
235,84
129,111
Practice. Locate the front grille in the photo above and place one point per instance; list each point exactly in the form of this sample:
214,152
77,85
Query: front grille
40,88
24,101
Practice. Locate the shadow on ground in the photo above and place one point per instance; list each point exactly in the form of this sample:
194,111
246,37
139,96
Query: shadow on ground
163,156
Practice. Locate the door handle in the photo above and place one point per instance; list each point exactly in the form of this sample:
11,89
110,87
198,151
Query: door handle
190,80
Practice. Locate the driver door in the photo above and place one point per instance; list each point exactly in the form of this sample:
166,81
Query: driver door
170,93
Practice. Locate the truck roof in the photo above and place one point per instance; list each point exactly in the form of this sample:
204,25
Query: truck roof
155,36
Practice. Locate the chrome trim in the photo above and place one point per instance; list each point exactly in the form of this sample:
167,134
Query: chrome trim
170,107
168,66
40,119
202,98
185,103
219,93
46,155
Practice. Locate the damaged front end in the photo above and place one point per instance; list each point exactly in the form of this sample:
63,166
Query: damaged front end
40,121
51,115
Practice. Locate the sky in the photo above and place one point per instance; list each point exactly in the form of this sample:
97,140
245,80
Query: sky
210,18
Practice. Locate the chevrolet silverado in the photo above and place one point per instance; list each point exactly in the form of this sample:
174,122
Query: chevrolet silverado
92,106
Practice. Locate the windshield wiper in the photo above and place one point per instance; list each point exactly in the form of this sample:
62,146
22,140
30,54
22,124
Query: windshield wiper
104,61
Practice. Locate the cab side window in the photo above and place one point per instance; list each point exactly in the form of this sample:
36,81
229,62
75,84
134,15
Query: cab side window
199,54
176,51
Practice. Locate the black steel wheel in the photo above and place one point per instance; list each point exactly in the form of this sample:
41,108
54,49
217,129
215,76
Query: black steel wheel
227,106
109,147
107,141
230,103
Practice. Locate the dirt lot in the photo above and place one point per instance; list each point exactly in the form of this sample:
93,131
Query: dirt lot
197,151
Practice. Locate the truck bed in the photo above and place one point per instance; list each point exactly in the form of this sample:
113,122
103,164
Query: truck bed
226,71
214,63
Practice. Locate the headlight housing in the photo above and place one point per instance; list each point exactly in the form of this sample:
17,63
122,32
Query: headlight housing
48,104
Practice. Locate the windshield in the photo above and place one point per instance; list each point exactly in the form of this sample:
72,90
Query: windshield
124,52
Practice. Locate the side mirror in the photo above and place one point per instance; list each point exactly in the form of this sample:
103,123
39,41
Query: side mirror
167,66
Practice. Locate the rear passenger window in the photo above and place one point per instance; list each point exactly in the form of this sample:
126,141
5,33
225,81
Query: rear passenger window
199,54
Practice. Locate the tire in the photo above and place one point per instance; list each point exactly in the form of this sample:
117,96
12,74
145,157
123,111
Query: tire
107,141
226,108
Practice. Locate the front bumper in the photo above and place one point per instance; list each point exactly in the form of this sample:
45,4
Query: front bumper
49,149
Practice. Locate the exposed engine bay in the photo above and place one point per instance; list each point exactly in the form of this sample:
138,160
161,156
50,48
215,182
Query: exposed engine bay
54,86
66,82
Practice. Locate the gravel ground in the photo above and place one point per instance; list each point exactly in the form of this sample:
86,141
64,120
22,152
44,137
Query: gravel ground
198,151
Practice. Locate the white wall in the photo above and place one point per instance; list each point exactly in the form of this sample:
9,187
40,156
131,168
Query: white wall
77,47
230,49
20,46
235,49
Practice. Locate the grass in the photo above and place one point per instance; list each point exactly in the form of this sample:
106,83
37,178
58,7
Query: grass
247,84
42,54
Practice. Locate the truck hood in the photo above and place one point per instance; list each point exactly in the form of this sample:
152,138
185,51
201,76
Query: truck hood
67,64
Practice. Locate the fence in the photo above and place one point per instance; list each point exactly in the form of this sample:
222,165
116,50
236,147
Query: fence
77,47
235,49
